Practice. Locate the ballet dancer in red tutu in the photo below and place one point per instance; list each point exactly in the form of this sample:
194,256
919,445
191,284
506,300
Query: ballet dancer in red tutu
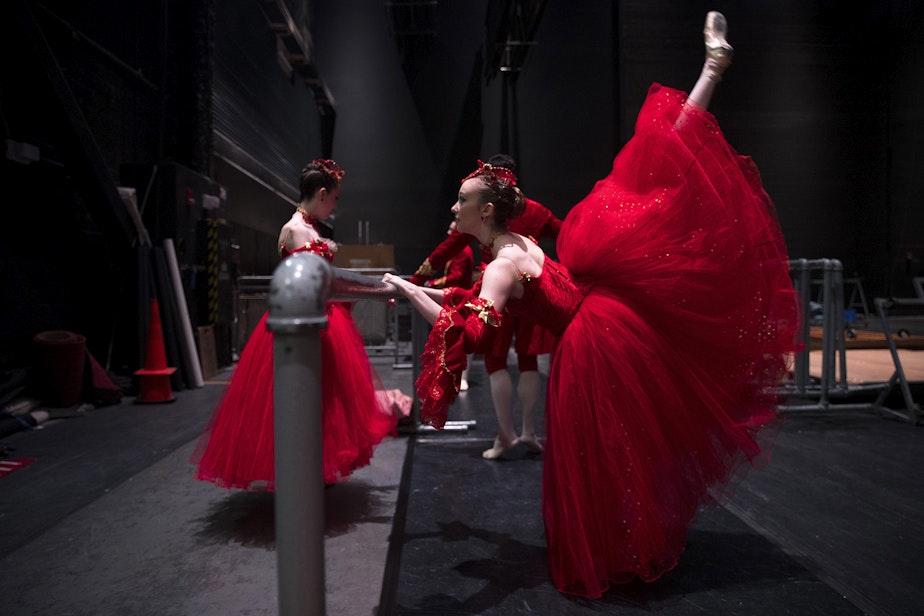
675,316
237,449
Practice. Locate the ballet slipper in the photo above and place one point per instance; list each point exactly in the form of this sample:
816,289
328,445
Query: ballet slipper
718,52
502,451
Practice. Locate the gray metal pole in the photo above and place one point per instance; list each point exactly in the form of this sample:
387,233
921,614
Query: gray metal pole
805,291
297,311
840,328
300,288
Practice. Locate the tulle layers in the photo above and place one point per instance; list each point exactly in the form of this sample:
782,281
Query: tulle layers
237,449
663,385
355,419
616,498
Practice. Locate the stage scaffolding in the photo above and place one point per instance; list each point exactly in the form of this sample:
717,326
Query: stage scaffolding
831,390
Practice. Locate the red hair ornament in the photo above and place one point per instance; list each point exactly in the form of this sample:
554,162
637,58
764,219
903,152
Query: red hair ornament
493,174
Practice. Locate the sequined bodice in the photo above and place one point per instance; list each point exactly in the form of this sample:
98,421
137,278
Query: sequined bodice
550,299
318,247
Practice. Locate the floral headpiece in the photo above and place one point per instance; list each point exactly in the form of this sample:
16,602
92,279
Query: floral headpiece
329,167
493,174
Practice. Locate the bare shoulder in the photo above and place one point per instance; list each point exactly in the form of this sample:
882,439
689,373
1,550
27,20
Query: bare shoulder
286,229
300,232
501,268
524,257
293,222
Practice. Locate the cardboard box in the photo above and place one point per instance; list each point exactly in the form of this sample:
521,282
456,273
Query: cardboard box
208,356
364,256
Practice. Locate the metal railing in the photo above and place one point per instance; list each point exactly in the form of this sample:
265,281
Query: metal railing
817,395
254,291
387,341
300,289
833,348
912,412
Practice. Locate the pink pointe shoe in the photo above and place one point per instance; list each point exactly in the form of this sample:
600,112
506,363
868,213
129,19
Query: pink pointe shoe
718,52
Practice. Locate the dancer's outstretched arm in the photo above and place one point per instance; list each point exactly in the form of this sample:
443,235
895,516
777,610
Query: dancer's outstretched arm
424,300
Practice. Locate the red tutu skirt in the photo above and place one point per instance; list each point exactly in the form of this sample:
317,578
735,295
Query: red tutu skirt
236,450
662,388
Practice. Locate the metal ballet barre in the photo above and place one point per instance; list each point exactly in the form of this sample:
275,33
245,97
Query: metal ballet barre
300,289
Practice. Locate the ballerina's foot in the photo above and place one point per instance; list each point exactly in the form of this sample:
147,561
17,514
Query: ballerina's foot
503,450
718,52
532,444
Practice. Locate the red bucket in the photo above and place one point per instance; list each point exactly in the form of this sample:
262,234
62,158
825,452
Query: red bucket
61,357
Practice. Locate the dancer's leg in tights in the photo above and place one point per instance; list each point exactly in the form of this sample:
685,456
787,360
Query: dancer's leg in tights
718,58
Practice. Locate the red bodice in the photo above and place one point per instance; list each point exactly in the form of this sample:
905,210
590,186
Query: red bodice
318,247
550,299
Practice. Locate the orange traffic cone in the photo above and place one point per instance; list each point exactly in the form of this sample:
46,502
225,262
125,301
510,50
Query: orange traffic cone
155,376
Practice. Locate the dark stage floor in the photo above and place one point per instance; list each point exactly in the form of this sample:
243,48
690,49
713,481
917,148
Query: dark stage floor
108,520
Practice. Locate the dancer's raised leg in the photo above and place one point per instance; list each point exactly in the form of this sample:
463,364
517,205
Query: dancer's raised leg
718,58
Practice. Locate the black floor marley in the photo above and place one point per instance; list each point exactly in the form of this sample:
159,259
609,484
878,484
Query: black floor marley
84,457
108,520
832,526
